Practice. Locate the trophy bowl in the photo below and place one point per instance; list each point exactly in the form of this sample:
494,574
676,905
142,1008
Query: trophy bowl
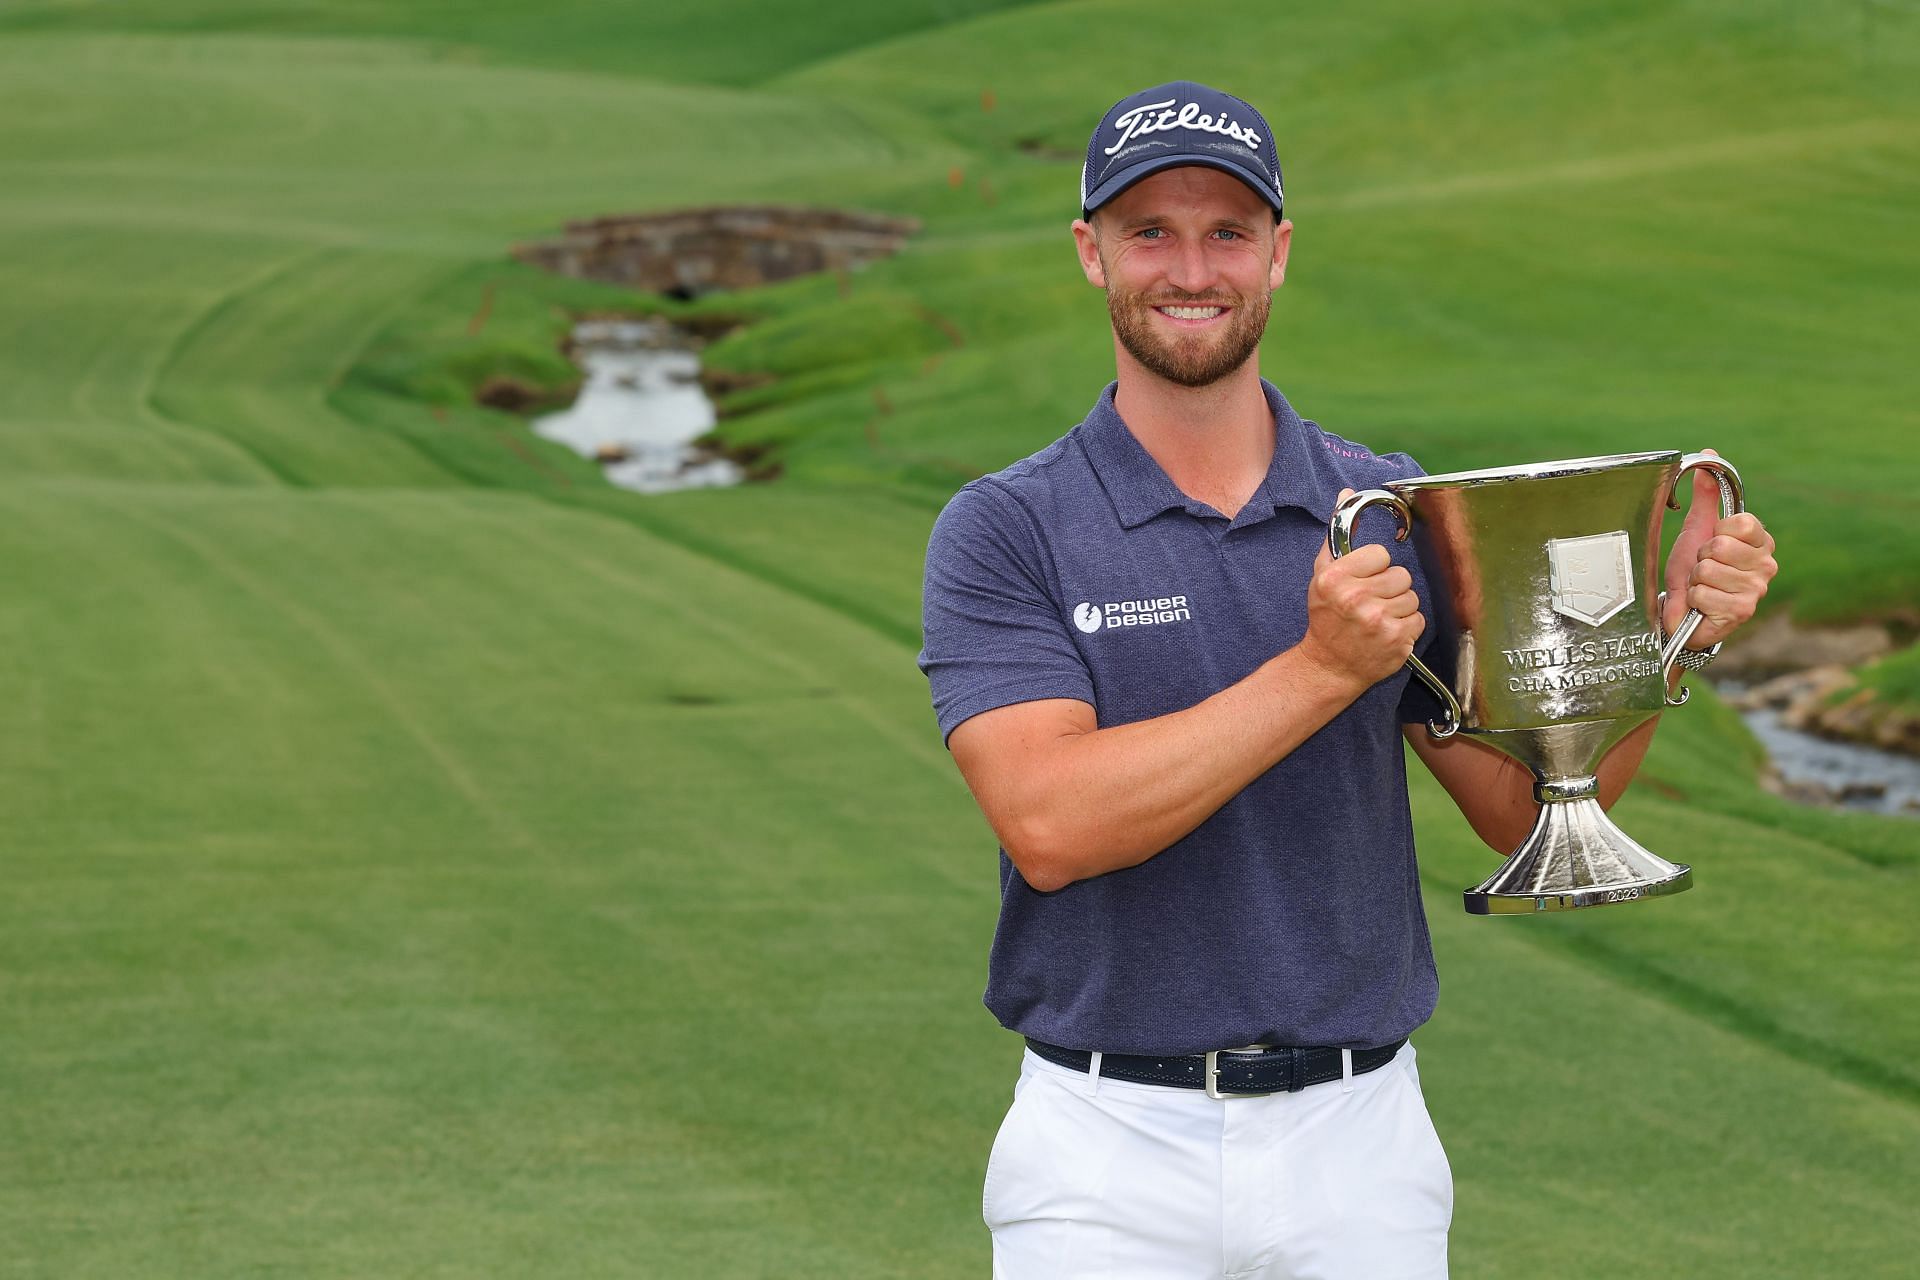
1545,587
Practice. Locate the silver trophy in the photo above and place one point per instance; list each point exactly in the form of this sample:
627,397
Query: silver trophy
1544,581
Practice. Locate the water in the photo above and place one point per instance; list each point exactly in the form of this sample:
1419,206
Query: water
640,408
1857,777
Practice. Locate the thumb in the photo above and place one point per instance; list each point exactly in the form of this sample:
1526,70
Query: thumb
1704,511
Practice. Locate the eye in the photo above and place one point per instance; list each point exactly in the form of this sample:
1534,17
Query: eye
1231,235
1153,233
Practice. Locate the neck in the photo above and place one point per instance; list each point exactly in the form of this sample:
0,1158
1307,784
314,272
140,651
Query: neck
1214,442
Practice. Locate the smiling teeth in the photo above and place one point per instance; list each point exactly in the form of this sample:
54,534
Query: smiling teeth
1191,313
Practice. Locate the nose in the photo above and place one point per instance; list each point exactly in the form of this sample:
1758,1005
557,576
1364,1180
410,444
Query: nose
1190,271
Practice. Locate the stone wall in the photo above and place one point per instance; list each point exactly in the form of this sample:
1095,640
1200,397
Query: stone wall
689,252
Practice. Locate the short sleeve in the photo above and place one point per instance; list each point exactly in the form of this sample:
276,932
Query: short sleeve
1418,704
993,633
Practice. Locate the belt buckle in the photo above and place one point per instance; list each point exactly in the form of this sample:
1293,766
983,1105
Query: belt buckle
1213,1072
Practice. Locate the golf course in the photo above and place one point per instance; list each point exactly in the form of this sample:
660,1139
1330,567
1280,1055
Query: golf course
424,859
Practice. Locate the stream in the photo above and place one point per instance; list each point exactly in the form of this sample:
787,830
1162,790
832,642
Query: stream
640,409
1842,774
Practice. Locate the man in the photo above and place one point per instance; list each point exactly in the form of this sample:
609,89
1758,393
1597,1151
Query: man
1183,720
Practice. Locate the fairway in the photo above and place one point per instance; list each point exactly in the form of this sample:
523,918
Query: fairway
424,860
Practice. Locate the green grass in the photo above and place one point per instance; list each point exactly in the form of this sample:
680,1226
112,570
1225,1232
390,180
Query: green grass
1896,678
425,860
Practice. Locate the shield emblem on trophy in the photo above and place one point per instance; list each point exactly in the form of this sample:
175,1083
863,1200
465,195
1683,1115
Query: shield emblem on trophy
1591,578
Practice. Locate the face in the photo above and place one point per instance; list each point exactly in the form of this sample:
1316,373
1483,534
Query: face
1189,258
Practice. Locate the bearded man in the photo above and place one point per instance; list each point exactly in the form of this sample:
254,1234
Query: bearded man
1183,720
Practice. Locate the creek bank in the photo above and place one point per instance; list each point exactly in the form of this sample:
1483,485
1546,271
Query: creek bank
1829,739
1817,702
1814,768
687,253
1777,645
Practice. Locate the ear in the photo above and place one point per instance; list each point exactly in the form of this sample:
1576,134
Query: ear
1087,245
1282,240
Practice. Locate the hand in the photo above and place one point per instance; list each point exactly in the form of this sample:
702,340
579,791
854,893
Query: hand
1362,614
1720,567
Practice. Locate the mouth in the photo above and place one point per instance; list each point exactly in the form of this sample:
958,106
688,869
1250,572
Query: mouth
1192,317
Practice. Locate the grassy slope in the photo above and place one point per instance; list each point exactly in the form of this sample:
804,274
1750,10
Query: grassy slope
717,42
399,818
1896,678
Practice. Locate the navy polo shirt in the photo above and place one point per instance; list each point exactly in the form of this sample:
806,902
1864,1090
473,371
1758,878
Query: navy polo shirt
1292,915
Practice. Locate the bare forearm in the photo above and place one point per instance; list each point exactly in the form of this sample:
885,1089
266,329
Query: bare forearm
1114,797
1623,761
1620,765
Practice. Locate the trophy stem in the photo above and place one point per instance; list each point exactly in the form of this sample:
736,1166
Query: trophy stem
1575,857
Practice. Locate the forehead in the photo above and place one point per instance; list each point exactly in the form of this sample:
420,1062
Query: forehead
1189,191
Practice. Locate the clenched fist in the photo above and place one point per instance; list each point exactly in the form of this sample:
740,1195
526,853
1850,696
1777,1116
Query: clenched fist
1363,616
1719,566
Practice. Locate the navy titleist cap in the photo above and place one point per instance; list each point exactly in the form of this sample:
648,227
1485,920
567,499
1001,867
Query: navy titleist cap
1176,124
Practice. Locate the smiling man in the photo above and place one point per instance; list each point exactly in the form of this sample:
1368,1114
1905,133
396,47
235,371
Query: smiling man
1183,720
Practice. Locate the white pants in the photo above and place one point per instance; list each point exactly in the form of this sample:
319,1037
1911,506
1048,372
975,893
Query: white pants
1341,1181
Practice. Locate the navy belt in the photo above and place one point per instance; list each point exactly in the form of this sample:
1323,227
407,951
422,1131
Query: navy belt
1225,1073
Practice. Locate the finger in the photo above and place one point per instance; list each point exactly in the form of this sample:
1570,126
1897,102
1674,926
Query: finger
1745,527
1404,605
1344,495
1727,549
1722,608
1395,581
1367,561
1729,578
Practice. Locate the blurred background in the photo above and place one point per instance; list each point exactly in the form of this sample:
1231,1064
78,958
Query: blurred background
443,837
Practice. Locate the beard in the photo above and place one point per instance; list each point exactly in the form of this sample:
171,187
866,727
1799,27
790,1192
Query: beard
1188,359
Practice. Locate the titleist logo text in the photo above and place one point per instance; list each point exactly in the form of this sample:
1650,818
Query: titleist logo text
1157,116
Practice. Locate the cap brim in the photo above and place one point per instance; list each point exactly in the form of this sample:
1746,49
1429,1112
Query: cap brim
1119,182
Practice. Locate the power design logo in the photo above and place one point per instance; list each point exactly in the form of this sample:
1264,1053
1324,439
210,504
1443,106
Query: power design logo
1091,617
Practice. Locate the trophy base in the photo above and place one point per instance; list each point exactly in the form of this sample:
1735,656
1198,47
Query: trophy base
1574,858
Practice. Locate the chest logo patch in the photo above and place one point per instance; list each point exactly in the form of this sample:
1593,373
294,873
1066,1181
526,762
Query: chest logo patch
1114,614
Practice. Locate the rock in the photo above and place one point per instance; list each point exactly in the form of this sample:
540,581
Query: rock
1850,721
1798,790
710,326
687,253
720,382
1796,688
611,453
1776,643
519,396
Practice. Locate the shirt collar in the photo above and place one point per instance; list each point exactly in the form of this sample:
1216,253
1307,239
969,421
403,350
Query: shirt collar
1140,490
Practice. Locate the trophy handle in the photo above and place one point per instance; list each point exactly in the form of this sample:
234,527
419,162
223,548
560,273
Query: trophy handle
1732,502
1340,542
